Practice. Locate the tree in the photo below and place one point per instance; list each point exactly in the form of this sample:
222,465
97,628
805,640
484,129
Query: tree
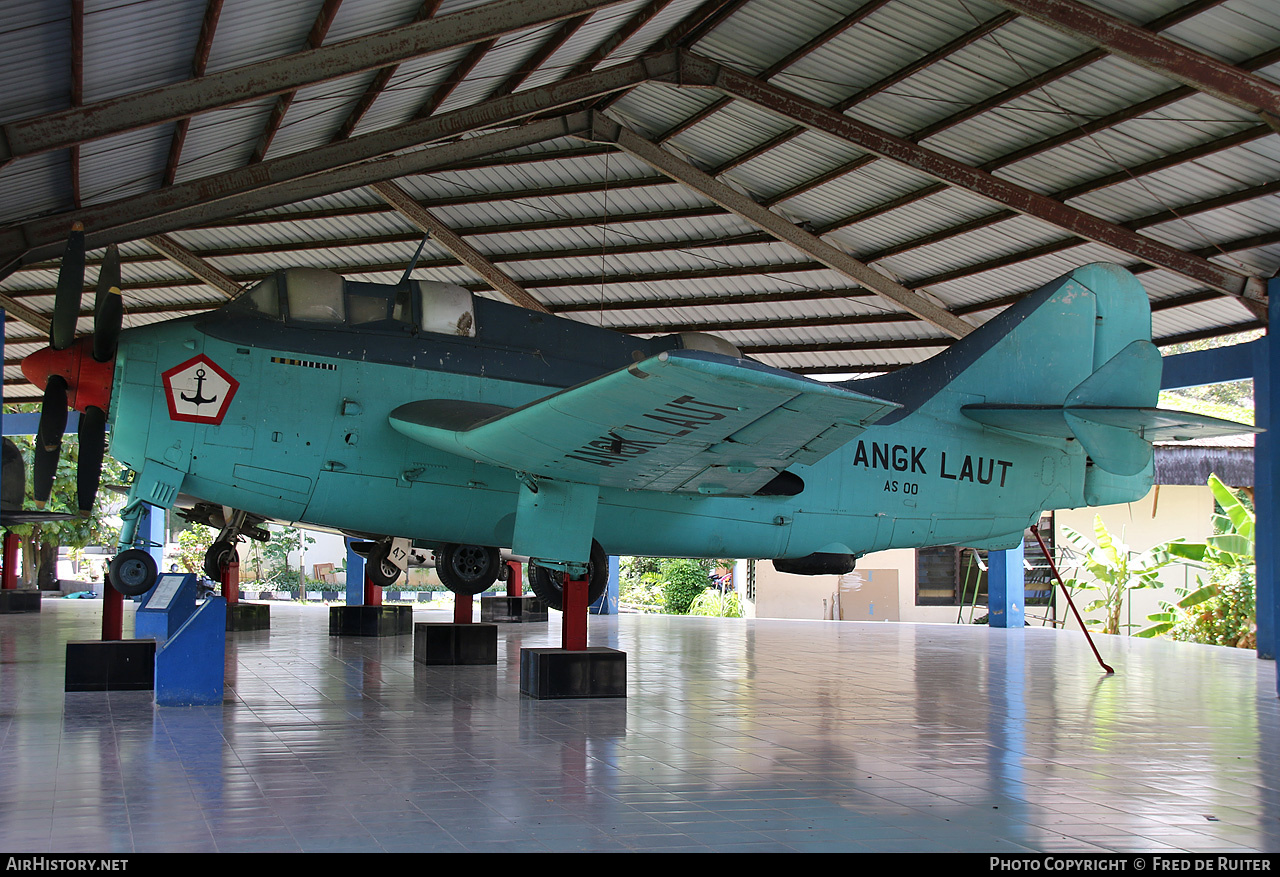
274,556
1221,612
41,542
1113,571
669,584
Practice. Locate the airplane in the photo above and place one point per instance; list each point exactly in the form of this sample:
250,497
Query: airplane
416,415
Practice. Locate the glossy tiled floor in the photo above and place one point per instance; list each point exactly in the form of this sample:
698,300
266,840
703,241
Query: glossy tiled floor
736,736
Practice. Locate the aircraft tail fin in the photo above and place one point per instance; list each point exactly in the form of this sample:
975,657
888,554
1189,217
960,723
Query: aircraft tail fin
1073,360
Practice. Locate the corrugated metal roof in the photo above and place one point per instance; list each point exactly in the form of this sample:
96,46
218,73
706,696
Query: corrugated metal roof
583,224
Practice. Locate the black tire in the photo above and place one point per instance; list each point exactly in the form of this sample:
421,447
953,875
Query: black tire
548,584
220,553
379,569
468,569
133,572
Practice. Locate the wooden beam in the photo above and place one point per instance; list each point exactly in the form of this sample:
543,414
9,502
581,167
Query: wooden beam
411,210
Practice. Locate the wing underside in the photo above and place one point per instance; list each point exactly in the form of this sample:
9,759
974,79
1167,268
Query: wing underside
683,421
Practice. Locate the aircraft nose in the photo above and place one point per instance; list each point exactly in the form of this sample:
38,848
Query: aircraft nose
88,381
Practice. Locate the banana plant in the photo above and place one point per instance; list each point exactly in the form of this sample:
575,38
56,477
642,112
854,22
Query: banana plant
1228,557
1112,569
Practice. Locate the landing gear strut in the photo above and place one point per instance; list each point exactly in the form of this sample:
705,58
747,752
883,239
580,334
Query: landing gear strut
548,584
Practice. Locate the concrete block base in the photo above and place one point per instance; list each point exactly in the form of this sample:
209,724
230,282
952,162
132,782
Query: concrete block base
548,674
16,602
370,620
501,609
447,643
111,665
249,616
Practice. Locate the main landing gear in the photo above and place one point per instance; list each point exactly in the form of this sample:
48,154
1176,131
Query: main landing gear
548,584
468,569
231,524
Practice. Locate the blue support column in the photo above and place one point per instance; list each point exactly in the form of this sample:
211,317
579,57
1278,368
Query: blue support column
1265,387
355,577
151,530
1006,588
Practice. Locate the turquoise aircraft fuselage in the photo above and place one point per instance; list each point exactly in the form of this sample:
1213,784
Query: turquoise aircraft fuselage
421,412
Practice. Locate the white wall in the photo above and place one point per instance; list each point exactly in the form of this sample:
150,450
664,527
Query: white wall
1164,514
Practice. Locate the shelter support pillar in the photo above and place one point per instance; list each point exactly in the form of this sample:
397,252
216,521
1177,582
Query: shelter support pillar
364,614
1006,588
1266,469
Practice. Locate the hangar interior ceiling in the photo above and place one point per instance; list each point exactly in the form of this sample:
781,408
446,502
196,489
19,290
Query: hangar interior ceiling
834,186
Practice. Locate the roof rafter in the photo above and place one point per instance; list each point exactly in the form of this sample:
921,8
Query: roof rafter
1166,57
279,75
736,202
955,173
468,255
332,168
204,44
315,38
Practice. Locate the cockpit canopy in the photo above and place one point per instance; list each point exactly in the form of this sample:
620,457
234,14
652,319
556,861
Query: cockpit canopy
317,297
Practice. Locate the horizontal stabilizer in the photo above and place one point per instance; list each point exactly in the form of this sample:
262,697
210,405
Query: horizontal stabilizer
1110,435
684,421
1112,413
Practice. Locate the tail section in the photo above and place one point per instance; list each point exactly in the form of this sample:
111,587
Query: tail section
1073,361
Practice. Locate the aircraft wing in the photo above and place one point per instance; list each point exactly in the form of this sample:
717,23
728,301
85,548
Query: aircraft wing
683,421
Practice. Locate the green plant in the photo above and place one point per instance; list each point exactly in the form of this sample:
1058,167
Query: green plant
683,580
1221,612
1113,571
717,604
193,542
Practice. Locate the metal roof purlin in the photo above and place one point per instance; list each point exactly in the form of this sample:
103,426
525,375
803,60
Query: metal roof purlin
955,173
1166,57
125,220
603,128
198,198
279,75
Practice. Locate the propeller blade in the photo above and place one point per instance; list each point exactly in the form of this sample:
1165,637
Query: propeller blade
108,278
108,312
66,302
53,423
106,324
93,445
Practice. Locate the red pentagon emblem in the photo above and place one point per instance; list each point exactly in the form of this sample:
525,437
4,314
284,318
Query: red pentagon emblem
199,391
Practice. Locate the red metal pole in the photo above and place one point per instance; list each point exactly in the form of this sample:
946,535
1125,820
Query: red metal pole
1035,531
112,612
231,583
515,584
372,593
464,609
573,624
10,575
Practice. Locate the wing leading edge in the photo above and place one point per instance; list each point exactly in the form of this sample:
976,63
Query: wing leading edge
683,421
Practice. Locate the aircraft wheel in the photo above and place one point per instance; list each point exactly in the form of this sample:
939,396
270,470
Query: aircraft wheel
548,584
133,572
220,554
378,567
468,569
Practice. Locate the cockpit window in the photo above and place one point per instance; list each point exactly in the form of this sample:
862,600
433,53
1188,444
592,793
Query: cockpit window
368,304
262,299
314,295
